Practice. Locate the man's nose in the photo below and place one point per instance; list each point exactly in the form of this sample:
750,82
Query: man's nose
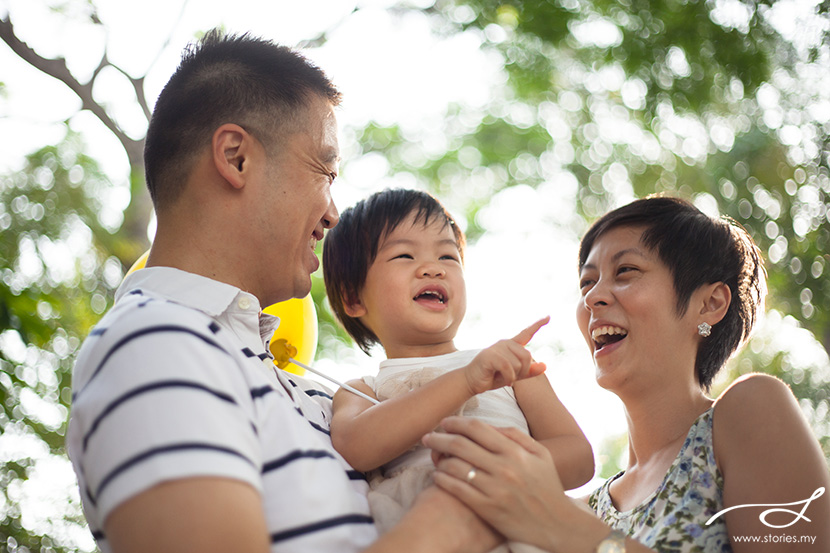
331,217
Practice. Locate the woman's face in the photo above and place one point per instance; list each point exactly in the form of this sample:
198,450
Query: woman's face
627,313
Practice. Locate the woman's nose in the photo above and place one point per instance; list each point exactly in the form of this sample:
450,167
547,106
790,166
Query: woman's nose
599,295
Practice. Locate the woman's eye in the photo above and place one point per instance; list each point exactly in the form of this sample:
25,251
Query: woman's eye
624,271
584,283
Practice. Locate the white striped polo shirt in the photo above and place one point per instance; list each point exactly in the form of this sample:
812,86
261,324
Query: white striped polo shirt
176,381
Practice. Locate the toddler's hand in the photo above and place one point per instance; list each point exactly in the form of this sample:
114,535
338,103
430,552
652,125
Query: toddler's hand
504,362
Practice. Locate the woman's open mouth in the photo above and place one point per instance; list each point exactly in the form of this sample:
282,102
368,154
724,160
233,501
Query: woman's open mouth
606,335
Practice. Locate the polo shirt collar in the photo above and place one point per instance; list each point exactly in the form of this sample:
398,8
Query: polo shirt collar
195,291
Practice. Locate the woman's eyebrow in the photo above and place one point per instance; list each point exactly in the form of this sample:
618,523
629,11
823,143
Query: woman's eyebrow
636,251
616,257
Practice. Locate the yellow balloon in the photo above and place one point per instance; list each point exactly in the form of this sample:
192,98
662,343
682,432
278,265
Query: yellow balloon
297,333
139,263
298,328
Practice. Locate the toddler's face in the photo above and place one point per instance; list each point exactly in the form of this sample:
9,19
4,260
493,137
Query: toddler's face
415,297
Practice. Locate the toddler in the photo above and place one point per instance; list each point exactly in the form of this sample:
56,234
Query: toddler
393,269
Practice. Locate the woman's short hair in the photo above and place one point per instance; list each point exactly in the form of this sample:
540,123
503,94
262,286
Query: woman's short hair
698,250
351,247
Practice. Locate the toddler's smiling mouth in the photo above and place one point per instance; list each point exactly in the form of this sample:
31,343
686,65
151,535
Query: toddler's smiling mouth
432,295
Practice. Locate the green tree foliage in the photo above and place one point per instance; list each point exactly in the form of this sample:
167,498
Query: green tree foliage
708,100
57,279
667,96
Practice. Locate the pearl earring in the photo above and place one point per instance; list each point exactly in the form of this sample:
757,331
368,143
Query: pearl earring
704,329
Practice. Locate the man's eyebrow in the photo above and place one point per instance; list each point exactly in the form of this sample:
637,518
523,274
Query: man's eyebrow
331,156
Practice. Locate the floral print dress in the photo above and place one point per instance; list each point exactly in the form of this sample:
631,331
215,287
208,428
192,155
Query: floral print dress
673,518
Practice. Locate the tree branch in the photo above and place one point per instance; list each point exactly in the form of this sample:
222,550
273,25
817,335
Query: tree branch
138,88
321,38
57,68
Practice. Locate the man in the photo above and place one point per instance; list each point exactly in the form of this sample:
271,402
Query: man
183,434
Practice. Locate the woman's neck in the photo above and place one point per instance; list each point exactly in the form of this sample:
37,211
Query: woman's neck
659,420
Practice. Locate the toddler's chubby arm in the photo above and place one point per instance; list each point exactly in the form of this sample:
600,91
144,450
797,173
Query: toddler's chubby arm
552,425
369,435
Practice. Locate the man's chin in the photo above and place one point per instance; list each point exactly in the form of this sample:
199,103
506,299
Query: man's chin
302,288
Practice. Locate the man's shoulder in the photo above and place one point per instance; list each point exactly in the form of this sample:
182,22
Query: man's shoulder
137,311
138,318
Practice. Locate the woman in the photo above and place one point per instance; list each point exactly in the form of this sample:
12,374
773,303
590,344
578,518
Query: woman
667,295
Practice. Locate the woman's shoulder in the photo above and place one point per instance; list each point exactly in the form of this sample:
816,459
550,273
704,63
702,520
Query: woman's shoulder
750,397
756,413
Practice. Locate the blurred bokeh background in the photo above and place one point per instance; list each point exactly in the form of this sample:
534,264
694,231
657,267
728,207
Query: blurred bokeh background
527,118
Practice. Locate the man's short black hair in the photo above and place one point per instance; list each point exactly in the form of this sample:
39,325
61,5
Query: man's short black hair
351,247
261,86
698,250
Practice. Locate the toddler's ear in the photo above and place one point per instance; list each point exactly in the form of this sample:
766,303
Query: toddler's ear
353,307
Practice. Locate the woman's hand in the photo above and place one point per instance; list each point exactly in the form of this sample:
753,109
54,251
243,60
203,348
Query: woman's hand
505,477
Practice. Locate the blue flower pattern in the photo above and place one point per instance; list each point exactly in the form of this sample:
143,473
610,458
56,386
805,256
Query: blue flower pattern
673,519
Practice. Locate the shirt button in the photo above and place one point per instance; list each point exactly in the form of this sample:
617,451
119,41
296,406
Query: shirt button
268,362
244,303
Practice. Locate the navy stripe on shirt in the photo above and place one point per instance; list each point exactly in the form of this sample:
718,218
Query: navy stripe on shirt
150,388
320,428
312,393
294,456
320,525
144,332
172,448
261,391
356,475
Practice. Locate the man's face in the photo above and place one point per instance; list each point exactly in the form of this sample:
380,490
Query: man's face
295,206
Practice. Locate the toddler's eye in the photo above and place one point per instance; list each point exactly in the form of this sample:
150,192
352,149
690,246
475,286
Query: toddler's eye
450,257
403,256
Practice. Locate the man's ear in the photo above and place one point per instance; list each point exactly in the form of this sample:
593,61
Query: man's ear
231,147
716,299
353,307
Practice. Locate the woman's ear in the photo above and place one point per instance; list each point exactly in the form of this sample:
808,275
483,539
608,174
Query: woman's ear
716,299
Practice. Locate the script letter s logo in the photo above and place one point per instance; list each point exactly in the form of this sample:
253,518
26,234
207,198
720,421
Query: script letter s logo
776,508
